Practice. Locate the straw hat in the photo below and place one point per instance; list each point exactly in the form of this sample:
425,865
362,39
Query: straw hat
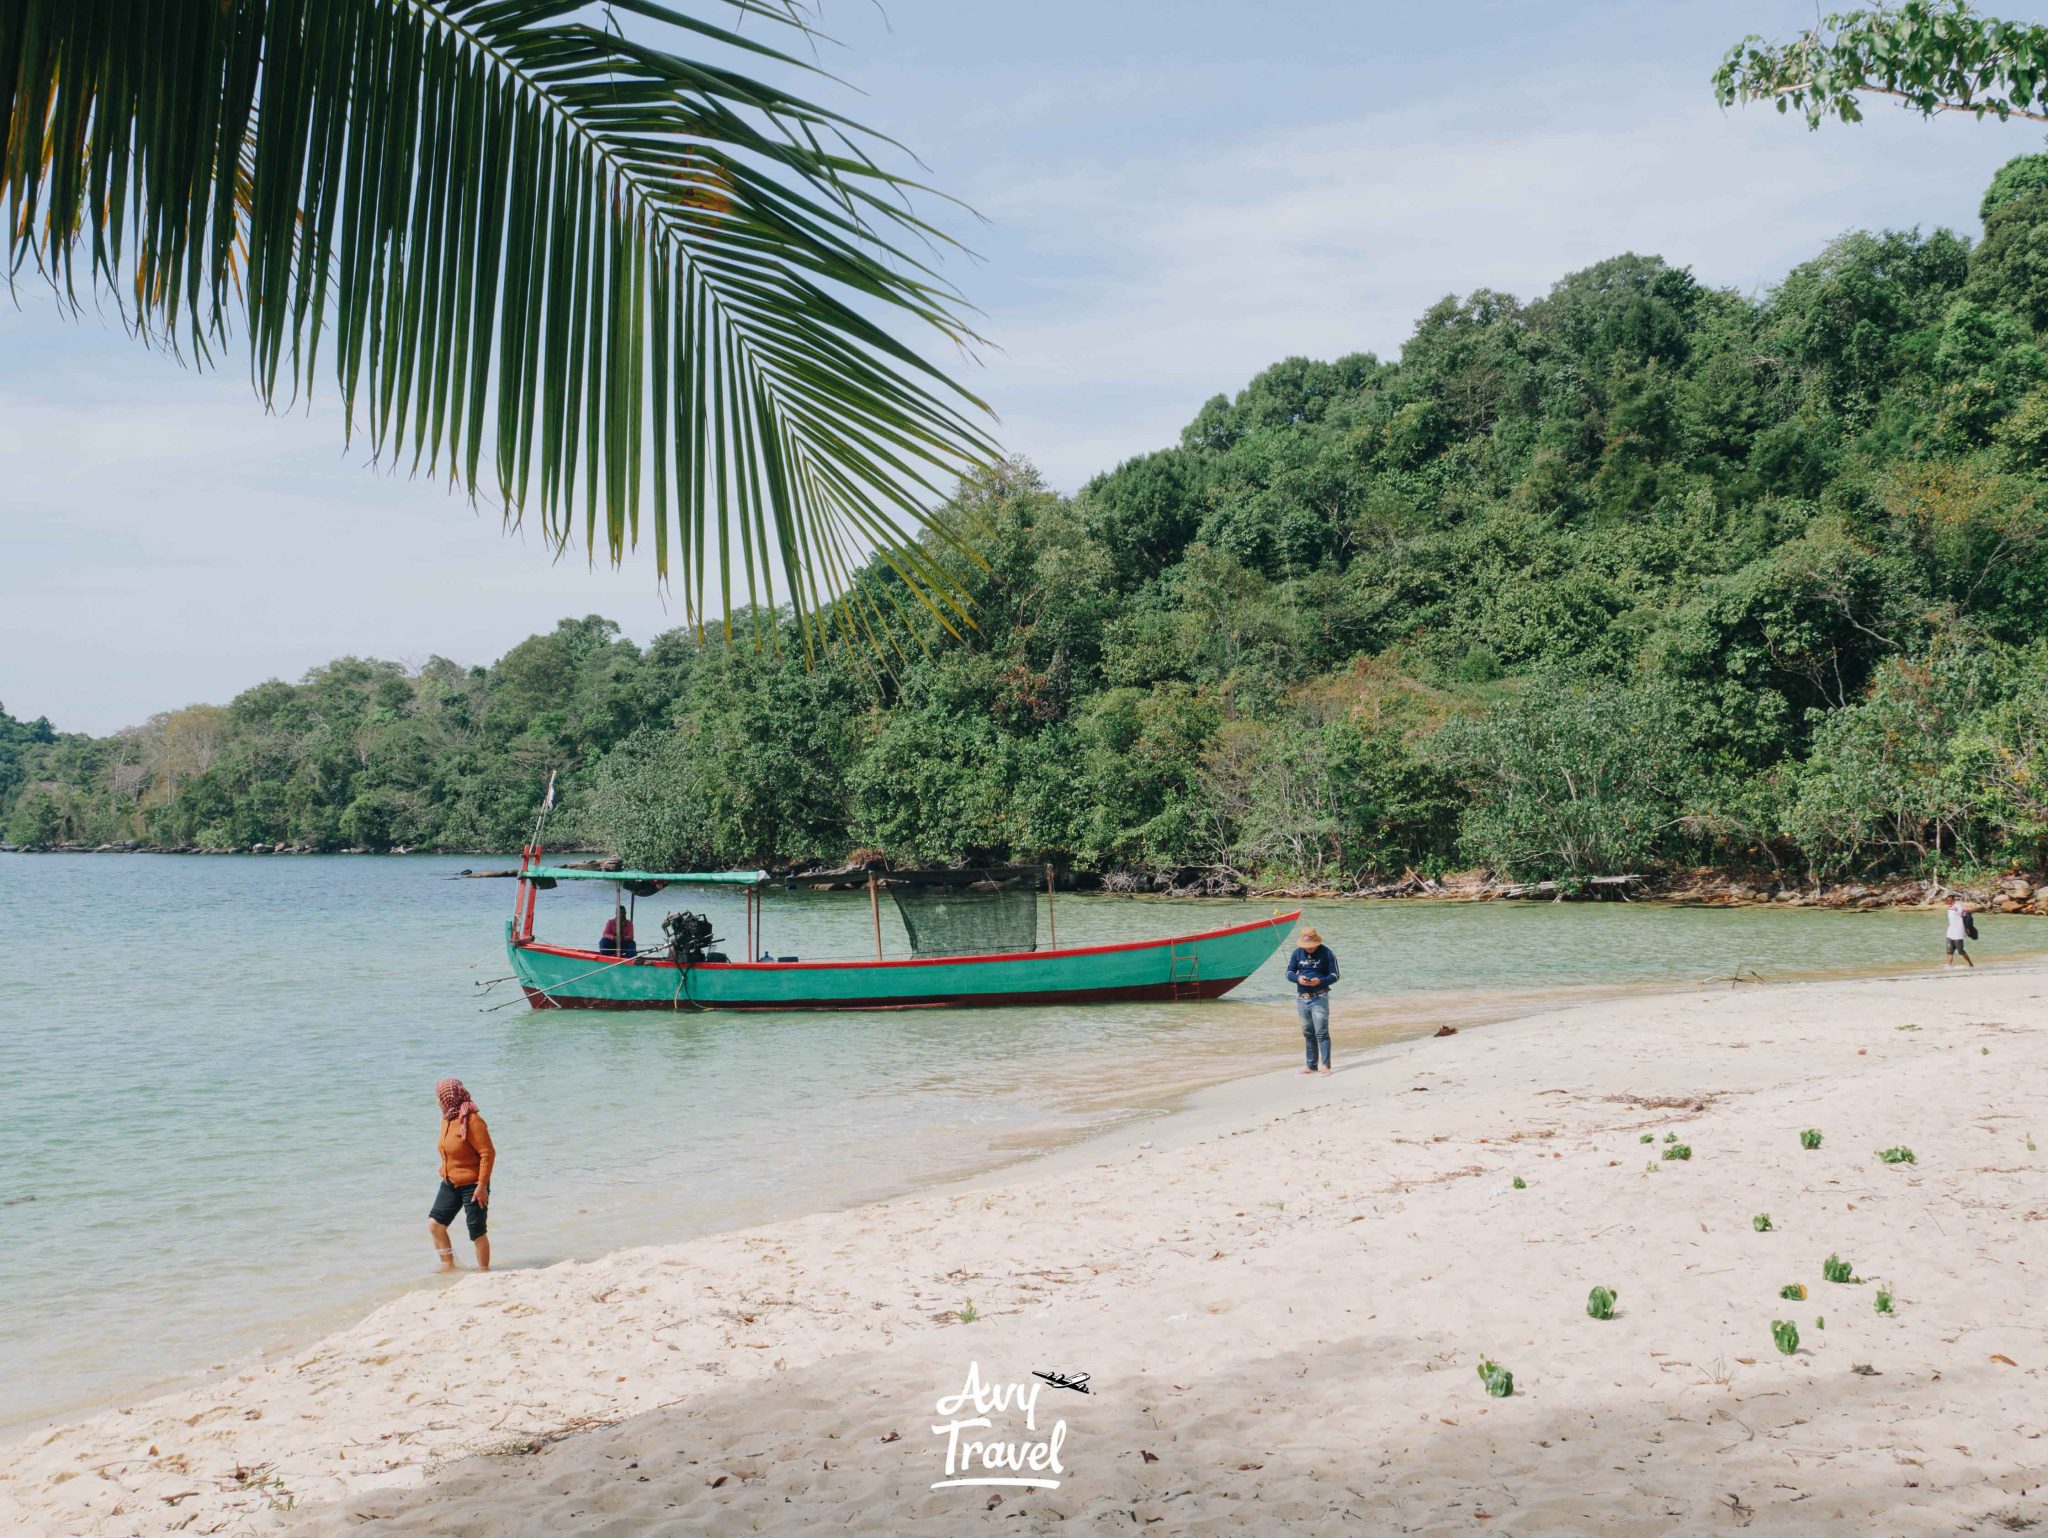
1313,933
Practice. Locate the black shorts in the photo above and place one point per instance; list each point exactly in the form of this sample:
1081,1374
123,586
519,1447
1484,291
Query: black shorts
1955,947
451,1198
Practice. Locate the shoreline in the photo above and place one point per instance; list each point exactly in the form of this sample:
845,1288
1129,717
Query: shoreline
2005,894
1123,1198
1017,1150
1422,1016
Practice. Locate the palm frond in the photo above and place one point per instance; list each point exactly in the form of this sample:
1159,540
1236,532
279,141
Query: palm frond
582,275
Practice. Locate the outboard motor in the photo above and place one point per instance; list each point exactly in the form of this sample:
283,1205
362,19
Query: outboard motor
689,937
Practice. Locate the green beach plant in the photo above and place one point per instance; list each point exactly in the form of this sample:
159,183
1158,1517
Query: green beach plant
1884,1300
1810,1138
1521,1184
1678,1151
638,294
968,1313
1761,1222
1820,1322
1786,1335
1647,1137
1794,1291
1671,1137
1836,1269
1897,1155
1500,1383
1600,1303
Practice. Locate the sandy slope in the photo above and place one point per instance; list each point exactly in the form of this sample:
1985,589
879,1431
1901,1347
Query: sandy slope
1281,1299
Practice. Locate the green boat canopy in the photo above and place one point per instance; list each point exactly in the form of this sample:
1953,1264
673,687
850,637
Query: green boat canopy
712,877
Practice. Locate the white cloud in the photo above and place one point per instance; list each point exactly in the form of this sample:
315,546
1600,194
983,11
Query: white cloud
1185,274
1155,236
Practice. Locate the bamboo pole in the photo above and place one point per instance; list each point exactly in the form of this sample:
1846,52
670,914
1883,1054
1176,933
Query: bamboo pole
875,908
1052,915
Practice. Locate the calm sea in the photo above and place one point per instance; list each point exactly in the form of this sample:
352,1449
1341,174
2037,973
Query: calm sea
216,1077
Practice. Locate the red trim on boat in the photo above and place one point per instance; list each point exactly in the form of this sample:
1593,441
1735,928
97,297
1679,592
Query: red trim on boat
1164,992
918,961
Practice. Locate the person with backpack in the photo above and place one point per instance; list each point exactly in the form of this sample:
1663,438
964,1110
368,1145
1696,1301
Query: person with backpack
1961,927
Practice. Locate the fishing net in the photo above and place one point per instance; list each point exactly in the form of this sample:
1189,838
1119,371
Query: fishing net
989,918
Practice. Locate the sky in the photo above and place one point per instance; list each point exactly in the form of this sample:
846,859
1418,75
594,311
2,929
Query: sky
1167,196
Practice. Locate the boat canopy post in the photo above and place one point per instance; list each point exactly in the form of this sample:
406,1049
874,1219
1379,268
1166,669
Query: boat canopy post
1052,916
524,895
875,909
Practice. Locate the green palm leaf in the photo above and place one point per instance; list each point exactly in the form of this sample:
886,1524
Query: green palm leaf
610,284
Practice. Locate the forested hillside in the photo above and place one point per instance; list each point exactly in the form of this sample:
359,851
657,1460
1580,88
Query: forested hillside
1636,572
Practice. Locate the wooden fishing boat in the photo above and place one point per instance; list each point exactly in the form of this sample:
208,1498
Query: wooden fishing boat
685,975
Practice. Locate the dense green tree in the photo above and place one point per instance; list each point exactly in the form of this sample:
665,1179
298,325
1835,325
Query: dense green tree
1574,778
1636,571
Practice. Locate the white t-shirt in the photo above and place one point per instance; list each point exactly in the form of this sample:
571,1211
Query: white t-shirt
1955,921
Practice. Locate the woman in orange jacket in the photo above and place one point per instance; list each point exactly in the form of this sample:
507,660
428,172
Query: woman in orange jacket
467,1155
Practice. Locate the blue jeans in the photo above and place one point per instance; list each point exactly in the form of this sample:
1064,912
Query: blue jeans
1315,1026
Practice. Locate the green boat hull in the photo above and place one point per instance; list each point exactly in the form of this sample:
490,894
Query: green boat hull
1184,967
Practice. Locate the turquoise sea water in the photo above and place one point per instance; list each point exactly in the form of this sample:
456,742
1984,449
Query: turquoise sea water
216,1077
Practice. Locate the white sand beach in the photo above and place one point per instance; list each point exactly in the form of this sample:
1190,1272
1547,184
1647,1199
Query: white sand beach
1281,1294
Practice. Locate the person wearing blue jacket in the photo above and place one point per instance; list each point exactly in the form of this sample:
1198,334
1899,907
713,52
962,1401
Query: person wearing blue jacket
1312,968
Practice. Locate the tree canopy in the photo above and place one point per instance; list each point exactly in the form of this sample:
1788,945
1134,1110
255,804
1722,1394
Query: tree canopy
599,264
1637,570
1931,56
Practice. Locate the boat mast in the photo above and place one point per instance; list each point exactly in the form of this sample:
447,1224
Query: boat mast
524,893
1052,916
875,908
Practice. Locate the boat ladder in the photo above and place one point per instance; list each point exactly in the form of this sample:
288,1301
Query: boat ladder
1184,974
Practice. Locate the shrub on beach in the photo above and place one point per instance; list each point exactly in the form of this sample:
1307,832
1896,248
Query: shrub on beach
1810,1138
1786,1334
1498,1380
1600,1303
1761,1222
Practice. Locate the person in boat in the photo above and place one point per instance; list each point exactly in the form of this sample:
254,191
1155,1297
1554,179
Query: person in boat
1312,969
467,1158
617,939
